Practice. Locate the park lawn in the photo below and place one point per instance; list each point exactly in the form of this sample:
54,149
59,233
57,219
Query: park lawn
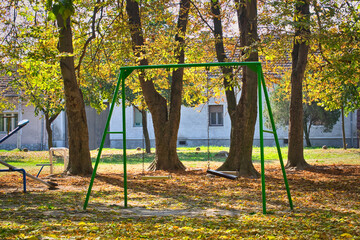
189,205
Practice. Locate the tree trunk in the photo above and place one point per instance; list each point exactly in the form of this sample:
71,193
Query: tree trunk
299,60
307,133
242,115
165,120
79,153
343,128
48,122
145,131
48,130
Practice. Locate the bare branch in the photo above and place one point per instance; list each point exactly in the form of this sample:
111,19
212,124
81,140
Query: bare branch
316,8
200,15
92,36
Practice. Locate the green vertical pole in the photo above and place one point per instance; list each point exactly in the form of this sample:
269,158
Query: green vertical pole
259,74
276,141
102,142
123,77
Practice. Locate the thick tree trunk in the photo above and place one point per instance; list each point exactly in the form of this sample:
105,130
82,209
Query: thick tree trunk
242,115
165,120
299,60
343,128
145,131
79,153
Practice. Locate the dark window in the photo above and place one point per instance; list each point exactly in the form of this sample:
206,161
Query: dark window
8,121
137,118
216,115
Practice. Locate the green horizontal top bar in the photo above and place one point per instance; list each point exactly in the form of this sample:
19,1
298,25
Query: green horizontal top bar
268,131
185,65
115,132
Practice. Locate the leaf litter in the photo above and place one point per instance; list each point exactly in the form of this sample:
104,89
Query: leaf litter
189,205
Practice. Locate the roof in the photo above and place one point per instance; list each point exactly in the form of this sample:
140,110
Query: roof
5,88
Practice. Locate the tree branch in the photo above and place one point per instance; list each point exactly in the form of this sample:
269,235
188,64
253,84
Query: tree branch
200,15
92,36
316,8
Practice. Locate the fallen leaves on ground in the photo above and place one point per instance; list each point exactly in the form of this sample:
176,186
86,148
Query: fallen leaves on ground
190,205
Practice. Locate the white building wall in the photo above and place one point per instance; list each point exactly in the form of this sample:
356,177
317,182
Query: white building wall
194,129
59,130
32,136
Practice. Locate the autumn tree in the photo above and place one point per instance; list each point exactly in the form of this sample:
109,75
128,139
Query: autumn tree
299,57
79,153
335,79
242,113
39,84
166,116
32,66
111,50
332,77
286,20
314,115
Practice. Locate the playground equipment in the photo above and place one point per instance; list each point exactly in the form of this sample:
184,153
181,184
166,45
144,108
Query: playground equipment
254,66
20,125
222,174
65,154
209,171
51,185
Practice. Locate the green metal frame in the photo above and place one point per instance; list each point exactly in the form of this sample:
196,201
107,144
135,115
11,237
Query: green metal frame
254,66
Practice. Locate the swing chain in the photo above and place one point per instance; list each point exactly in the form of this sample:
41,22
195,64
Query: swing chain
208,116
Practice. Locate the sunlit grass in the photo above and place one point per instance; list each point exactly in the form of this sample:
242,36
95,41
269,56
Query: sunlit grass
188,155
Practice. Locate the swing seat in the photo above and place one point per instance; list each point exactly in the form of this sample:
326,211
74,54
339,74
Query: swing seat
221,174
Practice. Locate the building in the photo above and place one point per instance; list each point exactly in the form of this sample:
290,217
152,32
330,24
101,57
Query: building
206,124
211,121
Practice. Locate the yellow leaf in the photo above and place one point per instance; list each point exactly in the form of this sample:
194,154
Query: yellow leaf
31,238
346,235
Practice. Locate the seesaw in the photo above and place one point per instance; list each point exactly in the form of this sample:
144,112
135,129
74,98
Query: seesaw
20,125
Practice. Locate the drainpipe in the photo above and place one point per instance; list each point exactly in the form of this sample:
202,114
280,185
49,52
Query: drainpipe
19,134
42,131
351,130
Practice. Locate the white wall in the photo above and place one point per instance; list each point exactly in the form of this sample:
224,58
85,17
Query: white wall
32,136
194,126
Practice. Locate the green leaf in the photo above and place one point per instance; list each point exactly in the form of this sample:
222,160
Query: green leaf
51,16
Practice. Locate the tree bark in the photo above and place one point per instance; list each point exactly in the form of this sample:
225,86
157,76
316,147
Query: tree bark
242,114
48,122
49,131
307,134
165,120
79,153
299,60
145,131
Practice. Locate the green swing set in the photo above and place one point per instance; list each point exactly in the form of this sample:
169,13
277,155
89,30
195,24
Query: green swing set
126,71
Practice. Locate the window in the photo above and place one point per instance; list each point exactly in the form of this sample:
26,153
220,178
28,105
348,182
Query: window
216,115
8,121
137,118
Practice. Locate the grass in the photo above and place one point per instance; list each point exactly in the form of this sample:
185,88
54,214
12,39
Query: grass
189,205
114,156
